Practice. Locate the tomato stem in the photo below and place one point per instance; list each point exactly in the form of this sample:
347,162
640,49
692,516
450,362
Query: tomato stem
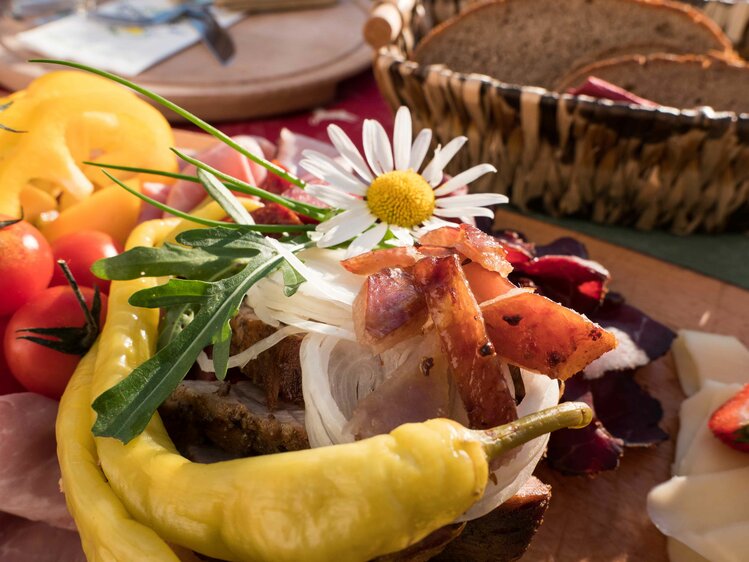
91,322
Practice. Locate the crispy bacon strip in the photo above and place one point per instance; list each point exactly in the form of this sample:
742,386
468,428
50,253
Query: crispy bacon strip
473,243
536,333
460,326
403,256
388,309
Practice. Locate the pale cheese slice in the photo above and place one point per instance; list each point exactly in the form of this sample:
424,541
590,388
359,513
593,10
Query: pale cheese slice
679,552
697,449
704,511
700,356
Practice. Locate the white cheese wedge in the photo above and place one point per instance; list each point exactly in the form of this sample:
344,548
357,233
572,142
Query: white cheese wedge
679,552
697,449
709,513
700,356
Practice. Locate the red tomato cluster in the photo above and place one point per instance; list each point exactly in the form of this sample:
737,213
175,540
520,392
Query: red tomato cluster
34,293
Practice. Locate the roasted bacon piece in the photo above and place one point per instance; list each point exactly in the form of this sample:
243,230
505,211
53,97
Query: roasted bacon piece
388,309
377,260
539,334
460,326
473,243
402,256
486,285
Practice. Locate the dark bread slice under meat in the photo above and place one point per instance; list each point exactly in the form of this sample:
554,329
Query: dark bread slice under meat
683,82
535,42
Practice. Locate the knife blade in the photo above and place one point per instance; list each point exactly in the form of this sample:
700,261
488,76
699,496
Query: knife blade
216,38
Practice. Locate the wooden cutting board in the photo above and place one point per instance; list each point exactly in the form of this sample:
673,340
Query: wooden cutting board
285,61
603,519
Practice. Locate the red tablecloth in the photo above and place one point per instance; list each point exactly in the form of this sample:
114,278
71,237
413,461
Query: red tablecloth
357,96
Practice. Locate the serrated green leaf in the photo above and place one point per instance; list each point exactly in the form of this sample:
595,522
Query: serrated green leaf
124,410
224,242
173,293
292,279
170,259
176,319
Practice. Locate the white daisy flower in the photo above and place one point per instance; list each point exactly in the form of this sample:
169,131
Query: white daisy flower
386,192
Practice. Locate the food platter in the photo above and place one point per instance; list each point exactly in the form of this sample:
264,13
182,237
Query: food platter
320,47
604,518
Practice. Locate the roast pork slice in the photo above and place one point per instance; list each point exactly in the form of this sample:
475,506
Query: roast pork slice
232,417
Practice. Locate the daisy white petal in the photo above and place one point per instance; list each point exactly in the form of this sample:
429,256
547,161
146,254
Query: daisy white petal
402,234
367,240
473,200
383,148
354,224
357,208
332,197
402,135
465,212
419,149
326,163
464,178
433,172
369,140
348,150
342,181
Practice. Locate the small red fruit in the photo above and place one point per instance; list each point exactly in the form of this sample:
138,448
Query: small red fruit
79,250
730,422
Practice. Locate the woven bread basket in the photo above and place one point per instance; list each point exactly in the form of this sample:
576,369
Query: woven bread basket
564,155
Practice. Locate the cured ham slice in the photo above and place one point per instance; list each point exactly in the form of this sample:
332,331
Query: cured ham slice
389,309
536,333
458,321
29,473
22,540
186,195
473,243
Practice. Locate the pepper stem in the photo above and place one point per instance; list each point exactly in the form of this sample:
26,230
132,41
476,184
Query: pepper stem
499,440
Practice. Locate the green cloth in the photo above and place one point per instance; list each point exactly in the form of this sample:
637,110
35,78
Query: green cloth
722,256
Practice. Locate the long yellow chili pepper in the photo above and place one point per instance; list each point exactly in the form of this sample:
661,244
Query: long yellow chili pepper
348,502
107,530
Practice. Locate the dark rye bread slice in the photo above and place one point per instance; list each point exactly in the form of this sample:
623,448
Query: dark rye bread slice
683,82
535,42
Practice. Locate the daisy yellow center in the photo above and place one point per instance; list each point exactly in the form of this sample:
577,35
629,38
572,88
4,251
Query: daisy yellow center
402,198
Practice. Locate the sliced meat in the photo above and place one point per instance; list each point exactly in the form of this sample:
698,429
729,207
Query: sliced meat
29,472
536,333
278,370
458,321
22,540
417,391
428,547
234,417
505,533
389,309
402,256
473,243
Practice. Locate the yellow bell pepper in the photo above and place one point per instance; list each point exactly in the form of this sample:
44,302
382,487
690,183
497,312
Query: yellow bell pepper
348,502
70,117
111,209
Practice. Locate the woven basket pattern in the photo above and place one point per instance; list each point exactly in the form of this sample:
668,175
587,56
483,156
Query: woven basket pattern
679,170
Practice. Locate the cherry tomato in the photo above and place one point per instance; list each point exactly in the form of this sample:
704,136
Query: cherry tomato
80,250
38,368
25,265
8,384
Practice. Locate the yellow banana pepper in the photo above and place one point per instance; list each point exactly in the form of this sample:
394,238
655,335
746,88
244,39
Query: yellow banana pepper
347,502
108,532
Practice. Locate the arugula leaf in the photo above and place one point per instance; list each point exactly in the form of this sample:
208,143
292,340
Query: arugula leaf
170,259
177,318
124,410
173,293
224,242
292,279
